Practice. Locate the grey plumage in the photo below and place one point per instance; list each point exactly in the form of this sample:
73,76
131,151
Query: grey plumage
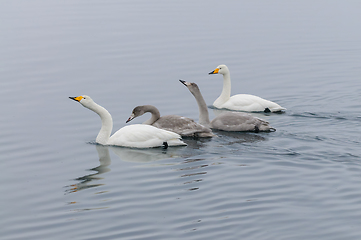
227,121
186,127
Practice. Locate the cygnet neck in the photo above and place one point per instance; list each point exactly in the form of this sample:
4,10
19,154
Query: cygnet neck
202,106
155,114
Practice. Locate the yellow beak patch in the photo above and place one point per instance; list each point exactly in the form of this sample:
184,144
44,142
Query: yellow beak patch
78,98
215,71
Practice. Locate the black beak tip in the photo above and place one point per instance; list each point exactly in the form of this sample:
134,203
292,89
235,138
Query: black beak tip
211,72
129,119
184,82
72,98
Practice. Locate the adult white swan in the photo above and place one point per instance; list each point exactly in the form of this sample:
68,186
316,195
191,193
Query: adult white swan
227,121
186,127
135,136
241,102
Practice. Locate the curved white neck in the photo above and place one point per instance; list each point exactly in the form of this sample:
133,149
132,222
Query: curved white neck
107,123
226,92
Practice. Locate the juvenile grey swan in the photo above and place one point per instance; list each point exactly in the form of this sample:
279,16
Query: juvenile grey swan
241,102
134,136
186,127
227,121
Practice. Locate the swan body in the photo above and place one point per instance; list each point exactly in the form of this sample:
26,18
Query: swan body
241,102
186,127
134,136
227,121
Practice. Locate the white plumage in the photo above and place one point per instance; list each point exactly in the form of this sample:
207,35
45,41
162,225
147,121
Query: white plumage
227,121
241,102
135,136
143,136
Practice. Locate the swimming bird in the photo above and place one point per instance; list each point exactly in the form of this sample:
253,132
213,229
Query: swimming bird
227,121
241,102
134,136
186,127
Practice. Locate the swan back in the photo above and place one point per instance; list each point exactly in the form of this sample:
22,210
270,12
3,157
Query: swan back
240,122
250,103
144,136
184,126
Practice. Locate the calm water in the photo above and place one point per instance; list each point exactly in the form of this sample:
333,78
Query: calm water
300,182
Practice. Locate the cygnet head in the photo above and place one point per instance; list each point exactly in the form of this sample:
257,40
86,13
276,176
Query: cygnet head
222,69
137,111
84,100
193,87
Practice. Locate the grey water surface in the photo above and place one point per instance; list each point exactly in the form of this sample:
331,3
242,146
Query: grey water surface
301,182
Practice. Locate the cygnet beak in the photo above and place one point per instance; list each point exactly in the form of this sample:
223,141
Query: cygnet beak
184,82
130,118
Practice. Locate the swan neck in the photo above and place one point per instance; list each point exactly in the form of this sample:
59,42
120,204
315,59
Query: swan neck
226,91
202,106
155,114
107,123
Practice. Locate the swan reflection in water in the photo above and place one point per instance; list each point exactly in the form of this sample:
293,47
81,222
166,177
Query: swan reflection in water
125,154
145,155
195,147
85,181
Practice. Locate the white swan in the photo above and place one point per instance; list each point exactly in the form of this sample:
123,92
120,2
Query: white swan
186,127
227,121
135,136
241,102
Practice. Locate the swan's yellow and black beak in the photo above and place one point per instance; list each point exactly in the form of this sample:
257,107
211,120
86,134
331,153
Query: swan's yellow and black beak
130,118
77,98
215,71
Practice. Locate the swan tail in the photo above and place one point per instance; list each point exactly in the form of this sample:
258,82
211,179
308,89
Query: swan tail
271,129
205,135
176,142
277,109
265,127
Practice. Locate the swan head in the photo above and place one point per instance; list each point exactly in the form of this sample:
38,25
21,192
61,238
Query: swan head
84,100
193,87
221,69
137,111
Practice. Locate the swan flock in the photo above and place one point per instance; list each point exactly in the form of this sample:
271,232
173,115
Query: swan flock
165,131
